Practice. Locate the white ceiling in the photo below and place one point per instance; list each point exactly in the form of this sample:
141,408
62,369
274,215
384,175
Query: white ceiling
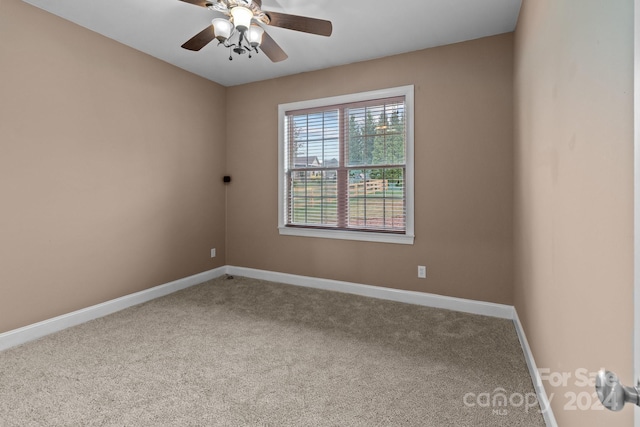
160,27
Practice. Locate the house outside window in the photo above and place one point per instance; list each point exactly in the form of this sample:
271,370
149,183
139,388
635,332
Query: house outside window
346,167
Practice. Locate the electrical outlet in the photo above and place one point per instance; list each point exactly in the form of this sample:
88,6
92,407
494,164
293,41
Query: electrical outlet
422,272
213,253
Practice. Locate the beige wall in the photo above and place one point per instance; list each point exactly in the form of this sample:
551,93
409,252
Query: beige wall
110,168
464,174
574,193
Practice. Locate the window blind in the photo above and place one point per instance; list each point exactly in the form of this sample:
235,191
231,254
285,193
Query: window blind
345,166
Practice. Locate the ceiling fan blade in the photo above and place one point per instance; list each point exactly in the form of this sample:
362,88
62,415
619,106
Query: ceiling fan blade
200,40
202,3
270,48
300,23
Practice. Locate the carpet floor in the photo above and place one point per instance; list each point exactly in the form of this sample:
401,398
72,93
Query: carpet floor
244,352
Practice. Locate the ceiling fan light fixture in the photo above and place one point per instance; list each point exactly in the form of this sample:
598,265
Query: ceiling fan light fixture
222,29
255,35
243,29
242,17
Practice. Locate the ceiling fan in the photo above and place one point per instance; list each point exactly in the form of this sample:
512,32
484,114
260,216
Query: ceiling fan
243,25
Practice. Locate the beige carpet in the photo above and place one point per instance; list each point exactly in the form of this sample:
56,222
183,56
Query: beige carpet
242,352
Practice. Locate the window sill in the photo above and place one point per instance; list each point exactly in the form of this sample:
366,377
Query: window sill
402,239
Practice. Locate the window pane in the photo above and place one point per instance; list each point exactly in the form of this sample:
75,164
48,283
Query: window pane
313,138
314,197
376,135
377,201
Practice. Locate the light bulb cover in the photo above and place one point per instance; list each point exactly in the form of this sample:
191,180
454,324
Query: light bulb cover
222,29
255,35
242,17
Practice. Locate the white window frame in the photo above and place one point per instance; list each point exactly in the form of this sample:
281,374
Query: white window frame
408,236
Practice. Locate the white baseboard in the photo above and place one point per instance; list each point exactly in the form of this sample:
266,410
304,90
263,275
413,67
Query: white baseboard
46,327
420,298
543,400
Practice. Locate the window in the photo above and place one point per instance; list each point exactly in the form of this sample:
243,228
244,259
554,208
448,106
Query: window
346,167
